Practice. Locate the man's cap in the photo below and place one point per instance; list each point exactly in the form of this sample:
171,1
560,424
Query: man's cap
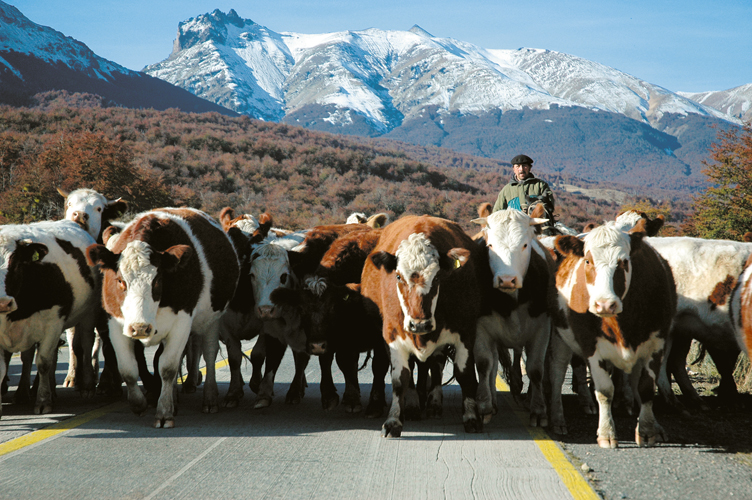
522,160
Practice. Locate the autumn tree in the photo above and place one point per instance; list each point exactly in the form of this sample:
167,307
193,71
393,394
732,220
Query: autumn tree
724,211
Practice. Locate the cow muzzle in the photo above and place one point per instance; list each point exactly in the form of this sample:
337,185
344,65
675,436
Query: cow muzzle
8,305
317,348
507,283
139,331
82,219
266,312
420,326
607,308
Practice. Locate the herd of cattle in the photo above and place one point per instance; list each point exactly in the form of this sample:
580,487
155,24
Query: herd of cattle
414,292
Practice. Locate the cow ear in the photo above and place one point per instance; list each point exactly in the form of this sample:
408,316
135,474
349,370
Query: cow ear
654,225
455,258
481,221
569,245
114,209
100,254
109,232
384,260
265,224
176,257
378,220
484,209
29,251
225,217
589,227
239,241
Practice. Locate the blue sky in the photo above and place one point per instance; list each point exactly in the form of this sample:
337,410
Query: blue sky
689,45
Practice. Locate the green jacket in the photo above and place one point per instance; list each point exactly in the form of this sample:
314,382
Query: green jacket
517,194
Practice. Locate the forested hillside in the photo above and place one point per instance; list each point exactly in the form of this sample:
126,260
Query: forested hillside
209,161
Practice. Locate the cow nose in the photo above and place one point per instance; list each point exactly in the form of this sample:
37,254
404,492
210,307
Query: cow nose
419,326
607,307
139,330
505,282
265,311
7,305
80,216
317,348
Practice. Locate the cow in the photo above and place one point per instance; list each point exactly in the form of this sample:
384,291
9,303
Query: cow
706,272
170,273
522,274
422,280
616,303
740,309
375,221
46,287
332,313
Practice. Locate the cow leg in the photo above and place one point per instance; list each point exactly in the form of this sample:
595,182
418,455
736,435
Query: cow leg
435,399
209,348
234,359
23,392
128,367
516,383
624,396
464,371
725,362
604,394
536,357
675,342
258,356
275,351
70,378
192,361
169,364
110,382
379,368
151,381
580,384
4,384
329,396
46,359
401,377
411,403
84,342
560,357
348,363
486,362
297,388
648,431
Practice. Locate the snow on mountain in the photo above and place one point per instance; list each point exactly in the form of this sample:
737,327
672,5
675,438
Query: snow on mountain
390,76
18,34
736,102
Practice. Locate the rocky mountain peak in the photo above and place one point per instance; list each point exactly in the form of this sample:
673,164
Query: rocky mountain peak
207,27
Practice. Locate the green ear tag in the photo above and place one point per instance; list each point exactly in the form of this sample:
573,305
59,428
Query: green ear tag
457,263
35,257
347,296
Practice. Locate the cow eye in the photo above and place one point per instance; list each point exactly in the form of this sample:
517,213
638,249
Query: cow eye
283,278
99,209
399,278
122,284
524,247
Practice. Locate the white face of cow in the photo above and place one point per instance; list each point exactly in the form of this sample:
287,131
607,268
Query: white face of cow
607,269
270,269
136,277
509,239
417,266
85,207
248,224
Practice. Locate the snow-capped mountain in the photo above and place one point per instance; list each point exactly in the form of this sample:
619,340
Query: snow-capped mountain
387,77
736,102
35,58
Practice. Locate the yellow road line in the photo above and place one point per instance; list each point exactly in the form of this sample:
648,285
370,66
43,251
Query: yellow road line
71,423
577,485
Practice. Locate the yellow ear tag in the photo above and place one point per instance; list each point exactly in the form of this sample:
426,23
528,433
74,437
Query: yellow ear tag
347,296
35,257
457,263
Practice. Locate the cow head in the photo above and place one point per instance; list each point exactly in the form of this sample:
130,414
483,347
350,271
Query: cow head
270,269
600,268
133,282
418,269
509,236
91,210
16,258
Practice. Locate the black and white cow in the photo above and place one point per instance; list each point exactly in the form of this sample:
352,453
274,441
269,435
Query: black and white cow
47,286
170,274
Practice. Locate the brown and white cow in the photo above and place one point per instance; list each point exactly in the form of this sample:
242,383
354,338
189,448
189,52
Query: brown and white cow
740,309
422,279
522,274
46,287
170,273
617,300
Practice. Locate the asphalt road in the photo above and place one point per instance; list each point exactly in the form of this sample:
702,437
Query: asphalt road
99,449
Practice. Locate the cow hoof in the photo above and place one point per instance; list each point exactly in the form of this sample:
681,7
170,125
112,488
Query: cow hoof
262,403
293,398
589,410
538,421
166,423
88,393
330,402
69,381
391,428
412,413
255,384
473,425
487,419
189,388
210,408
608,443
560,430
433,411
43,409
21,397
375,410
230,403
353,408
